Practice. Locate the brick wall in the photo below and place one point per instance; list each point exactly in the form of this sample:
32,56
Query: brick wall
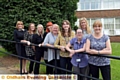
101,14
98,13
115,38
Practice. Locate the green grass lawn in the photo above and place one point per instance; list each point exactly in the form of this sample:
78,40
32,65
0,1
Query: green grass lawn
2,54
115,64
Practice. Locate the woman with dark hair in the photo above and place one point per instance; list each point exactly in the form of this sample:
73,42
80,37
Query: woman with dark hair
62,40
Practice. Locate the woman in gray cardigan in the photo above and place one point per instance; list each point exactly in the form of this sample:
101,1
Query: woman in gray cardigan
49,56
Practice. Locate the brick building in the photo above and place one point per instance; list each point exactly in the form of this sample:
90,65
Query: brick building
108,11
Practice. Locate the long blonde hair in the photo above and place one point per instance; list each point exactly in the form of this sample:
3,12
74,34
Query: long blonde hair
40,25
87,28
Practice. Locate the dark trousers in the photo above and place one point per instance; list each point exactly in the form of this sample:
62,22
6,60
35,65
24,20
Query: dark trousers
51,70
31,63
65,62
105,71
83,71
37,65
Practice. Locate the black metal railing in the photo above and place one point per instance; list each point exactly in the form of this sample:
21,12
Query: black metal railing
55,66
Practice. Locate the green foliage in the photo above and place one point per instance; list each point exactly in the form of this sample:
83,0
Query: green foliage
35,11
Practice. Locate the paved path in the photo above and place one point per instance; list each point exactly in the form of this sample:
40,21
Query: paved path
7,65
5,70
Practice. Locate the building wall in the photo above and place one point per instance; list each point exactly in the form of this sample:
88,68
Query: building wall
115,38
101,14
98,13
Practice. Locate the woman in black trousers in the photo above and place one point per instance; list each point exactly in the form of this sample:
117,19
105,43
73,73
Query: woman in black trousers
38,39
30,50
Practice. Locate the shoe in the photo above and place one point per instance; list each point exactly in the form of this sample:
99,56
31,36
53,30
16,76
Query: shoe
25,72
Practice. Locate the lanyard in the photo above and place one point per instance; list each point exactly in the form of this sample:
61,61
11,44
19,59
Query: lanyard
78,47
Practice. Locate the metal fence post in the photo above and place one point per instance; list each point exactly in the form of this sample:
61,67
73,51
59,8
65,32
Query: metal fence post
20,65
55,61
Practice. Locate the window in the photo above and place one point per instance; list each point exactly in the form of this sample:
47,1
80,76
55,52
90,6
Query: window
117,26
87,5
117,23
82,6
90,4
109,25
117,4
95,5
98,4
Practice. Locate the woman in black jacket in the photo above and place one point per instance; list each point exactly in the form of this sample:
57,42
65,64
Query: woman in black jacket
39,51
20,48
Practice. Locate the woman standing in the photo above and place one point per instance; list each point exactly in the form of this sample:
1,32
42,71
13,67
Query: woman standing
86,32
30,50
63,38
48,28
79,59
49,41
20,48
85,27
99,43
38,39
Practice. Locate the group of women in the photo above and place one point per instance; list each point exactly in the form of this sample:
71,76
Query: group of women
73,46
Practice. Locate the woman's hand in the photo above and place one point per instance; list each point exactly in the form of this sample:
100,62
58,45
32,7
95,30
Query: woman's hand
93,51
39,45
24,41
62,48
28,43
72,52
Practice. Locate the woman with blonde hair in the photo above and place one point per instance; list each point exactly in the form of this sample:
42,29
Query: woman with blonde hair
20,48
49,56
84,26
86,32
38,39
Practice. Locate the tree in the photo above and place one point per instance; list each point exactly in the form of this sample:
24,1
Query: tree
36,11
